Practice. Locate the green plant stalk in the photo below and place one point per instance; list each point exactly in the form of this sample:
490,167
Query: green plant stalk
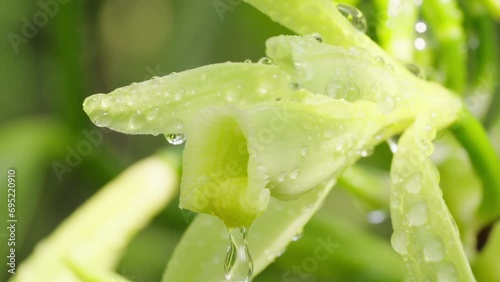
368,184
471,134
396,28
445,19
68,46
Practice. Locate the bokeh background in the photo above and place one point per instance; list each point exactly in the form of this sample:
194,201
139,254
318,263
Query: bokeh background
52,56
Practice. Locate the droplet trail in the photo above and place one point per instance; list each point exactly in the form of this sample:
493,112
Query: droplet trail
238,266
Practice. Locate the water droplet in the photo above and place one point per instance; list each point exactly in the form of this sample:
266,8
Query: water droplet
265,61
153,114
304,151
393,145
414,184
238,266
366,153
136,120
297,236
353,15
247,61
388,105
379,61
433,250
294,174
376,217
353,92
329,133
447,273
176,138
418,215
336,89
282,176
281,252
416,70
317,37
107,101
399,242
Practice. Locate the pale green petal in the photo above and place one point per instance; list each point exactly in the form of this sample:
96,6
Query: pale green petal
425,233
200,254
167,104
96,234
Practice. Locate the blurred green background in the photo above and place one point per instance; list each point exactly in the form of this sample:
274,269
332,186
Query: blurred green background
55,54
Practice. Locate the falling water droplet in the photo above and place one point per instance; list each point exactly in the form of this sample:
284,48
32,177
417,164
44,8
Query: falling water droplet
176,138
265,61
239,265
353,15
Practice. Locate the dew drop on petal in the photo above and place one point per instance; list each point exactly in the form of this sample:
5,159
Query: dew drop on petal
317,37
304,151
414,184
294,174
434,250
447,273
418,215
354,16
416,70
399,242
265,61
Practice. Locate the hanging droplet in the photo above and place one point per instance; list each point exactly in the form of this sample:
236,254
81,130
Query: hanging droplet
297,236
265,61
176,138
393,145
353,15
239,265
416,70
